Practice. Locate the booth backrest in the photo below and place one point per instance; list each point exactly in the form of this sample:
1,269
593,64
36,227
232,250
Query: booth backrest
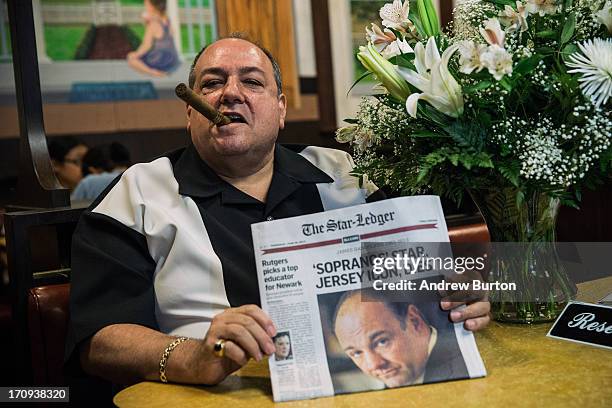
469,233
48,316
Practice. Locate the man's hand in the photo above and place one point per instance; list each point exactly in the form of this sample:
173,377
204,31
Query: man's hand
475,314
247,331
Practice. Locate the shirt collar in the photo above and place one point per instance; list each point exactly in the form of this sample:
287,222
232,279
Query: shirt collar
433,339
195,178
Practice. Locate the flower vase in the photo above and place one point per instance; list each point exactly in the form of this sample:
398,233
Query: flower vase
522,231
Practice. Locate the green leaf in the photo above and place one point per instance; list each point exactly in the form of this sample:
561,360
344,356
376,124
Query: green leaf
546,34
511,172
527,65
470,89
503,2
365,74
467,134
568,28
520,197
413,16
351,121
427,28
454,159
505,84
568,50
425,133
545,50
423,173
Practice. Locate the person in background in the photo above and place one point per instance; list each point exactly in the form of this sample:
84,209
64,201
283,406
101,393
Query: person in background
101,165
156,55
66,157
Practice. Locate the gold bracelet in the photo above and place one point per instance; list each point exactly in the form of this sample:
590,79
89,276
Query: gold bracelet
164,358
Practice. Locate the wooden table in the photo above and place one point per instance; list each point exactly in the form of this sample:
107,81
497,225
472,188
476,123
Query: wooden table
525,369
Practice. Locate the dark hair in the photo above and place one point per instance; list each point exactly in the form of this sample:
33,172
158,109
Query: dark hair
120,155
60,146
160,5
399,309
98,157
281,334
275,68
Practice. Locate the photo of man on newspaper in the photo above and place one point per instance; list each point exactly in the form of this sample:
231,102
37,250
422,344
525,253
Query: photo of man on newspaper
282,345
394,343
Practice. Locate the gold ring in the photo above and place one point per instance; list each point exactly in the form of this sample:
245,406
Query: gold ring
219,348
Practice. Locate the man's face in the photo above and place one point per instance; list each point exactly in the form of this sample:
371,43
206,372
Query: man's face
237,78
372,336
282,347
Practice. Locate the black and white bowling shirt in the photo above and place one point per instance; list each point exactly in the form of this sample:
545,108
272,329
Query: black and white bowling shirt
168,245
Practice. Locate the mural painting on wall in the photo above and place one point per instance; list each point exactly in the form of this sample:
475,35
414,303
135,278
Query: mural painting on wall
142,44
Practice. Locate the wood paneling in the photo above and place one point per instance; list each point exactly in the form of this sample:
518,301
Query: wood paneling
270,23
325,71
85,118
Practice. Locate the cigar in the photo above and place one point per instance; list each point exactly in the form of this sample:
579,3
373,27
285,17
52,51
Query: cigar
199,104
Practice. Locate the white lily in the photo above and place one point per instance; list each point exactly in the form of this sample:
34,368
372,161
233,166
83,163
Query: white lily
379,38
493,33
433,79
514,20
384,71
604,16
397,47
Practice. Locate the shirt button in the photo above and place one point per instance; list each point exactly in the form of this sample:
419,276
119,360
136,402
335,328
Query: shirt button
270,218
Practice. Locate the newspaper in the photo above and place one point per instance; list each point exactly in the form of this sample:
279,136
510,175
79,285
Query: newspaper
337,333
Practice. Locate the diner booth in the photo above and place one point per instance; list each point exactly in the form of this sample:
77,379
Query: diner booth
92,93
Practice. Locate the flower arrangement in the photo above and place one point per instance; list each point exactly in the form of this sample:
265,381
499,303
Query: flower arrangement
518,94
511,106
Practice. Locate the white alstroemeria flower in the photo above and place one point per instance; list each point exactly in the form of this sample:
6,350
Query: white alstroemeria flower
364,139
469,59
513,19
346,134
384,71
542,7
397,47
433,79
395,15
493,33
604,16
595,65
379,38
497,60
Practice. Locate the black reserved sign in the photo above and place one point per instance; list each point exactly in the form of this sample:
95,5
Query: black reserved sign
584,323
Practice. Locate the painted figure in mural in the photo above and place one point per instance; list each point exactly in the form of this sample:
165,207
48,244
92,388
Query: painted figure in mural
156,55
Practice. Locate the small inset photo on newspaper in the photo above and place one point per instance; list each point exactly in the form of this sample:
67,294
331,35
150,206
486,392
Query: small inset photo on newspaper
373,343
283,347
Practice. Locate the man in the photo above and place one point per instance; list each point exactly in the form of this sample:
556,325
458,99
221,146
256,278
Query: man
167,251
282,344
393,343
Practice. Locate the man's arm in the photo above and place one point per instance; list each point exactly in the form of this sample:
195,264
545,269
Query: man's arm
128,353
